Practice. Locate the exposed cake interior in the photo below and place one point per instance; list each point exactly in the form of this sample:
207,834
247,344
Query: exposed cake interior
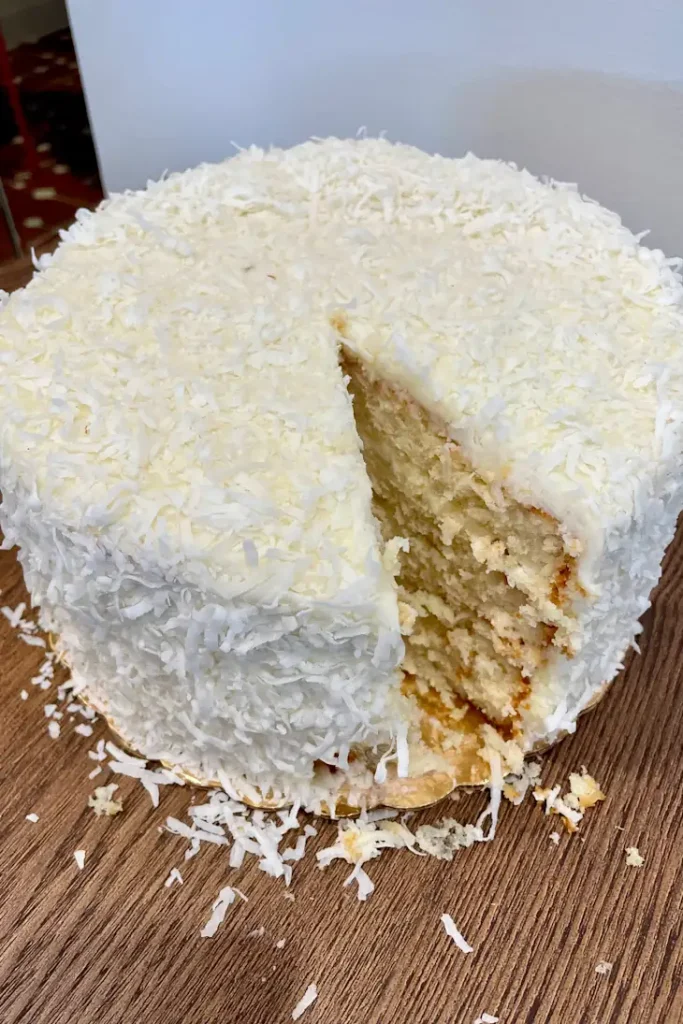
487,583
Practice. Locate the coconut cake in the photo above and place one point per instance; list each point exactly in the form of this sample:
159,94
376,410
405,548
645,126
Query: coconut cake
345,465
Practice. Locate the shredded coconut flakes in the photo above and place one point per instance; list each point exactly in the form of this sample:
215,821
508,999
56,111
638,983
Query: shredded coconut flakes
307,999
457,936
225,898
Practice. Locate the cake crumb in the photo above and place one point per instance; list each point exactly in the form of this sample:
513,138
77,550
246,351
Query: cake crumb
585,790
392,563
442,840
516,787
555,804
603,967
633,857
102,801
407,617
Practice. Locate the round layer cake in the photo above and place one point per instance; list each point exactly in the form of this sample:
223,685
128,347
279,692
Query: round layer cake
344,469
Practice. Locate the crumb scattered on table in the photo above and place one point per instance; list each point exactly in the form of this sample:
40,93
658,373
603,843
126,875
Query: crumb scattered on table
633,857
102,801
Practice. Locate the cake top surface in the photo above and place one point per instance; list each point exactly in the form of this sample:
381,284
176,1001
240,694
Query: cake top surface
173,368
167,386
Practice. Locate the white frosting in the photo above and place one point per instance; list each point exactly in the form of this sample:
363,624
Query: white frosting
180,466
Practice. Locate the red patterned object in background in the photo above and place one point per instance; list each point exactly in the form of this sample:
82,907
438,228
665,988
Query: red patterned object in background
65,175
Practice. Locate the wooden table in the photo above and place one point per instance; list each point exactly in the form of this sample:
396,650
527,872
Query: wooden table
112,945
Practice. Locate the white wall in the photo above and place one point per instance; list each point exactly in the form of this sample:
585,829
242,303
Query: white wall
588,91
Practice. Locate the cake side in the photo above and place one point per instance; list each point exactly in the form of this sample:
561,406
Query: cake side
246,688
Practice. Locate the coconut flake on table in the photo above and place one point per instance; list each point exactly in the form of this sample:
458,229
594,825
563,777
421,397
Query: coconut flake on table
225,898
77,708
120,755
24,694
14,615
603,967
357,843
32,640
487,1018
194,834
83,729
79,857
173,876
32,817
495,792
457,936
99,753
53,729
307,999
45,676
150,779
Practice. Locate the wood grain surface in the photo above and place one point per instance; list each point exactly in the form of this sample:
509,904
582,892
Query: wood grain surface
112,945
